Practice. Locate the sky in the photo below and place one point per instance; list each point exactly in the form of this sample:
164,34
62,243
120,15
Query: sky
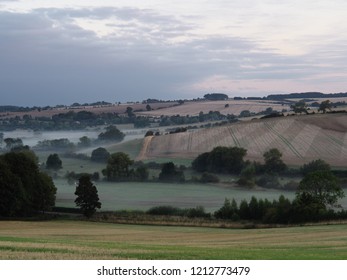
61,52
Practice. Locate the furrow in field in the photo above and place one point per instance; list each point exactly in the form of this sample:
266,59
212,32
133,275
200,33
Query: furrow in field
285,141
303,141
326,146
234,138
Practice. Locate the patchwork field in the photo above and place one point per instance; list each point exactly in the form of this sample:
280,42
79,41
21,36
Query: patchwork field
300,139
87,240
193,108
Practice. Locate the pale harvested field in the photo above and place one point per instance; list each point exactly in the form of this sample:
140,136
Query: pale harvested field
299,138
235,107
115,108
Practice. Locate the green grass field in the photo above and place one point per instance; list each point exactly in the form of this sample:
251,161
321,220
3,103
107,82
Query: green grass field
142,196
90,240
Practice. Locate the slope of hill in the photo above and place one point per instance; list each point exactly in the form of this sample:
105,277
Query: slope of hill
193,108
300,139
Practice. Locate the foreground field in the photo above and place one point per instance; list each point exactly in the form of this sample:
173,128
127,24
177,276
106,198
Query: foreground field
87,240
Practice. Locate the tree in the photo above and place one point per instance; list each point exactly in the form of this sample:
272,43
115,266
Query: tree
100,155
24,190
228,210
130,112
12,193
149,133
112,133
247,176
216,96
141,173
273,161
245,114
170,173
1,138
118,167
13,143
148,107
299,107
45,192
221,160
315,165
54,162
321,188
85,142
324,106
87,196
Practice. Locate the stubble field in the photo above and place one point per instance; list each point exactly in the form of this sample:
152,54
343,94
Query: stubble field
86,240
300,139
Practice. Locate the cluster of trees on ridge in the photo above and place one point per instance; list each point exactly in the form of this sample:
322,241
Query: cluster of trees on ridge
83,119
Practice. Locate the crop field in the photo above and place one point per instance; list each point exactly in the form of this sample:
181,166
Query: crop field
112,108
193,108
300,139
90,240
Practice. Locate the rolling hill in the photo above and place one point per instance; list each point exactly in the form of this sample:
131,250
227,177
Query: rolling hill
300,139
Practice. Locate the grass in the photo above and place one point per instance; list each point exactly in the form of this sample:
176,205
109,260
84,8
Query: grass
88,240
142,196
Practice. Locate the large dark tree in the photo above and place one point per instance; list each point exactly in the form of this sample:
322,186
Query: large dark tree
169,173
315,165
12,193
24,190
100,155
221,160
112,133
117,168
324,106
87,196
320,188
54,162
273,161
299,107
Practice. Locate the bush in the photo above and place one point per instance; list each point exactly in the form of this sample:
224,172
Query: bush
197,212
269,181
291,185
209,178
165,210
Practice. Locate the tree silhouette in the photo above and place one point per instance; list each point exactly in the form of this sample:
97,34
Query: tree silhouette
321,188
87,196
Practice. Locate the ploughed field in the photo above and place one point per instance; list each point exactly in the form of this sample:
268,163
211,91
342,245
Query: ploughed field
90,240
300,139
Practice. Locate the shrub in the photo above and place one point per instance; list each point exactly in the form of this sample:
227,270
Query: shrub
209,178
165,210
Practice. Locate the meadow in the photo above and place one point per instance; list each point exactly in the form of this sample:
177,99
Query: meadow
142,196
87,240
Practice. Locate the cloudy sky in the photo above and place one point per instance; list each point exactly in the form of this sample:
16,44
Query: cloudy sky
60,52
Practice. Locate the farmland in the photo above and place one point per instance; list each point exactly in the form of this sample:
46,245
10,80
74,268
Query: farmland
142,196
193,108
300,139
85,240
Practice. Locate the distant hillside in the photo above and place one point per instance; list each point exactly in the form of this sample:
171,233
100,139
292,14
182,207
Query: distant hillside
305,95
299,138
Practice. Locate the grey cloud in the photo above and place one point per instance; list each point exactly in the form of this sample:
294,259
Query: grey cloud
47,59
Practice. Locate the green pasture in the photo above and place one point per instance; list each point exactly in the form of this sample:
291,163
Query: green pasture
142,196
90,240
